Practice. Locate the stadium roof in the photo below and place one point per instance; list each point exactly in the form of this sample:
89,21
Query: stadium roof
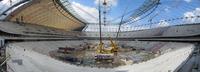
49,13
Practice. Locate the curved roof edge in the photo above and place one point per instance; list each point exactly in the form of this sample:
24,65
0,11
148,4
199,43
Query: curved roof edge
70,12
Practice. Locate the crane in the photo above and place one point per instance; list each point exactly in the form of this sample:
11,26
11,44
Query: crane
105,54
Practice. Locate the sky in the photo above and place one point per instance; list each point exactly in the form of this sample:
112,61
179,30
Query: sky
116,9
166,10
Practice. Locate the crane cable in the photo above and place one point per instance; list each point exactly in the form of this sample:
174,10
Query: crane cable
119,28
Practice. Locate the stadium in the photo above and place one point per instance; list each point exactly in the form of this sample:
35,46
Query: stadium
99,36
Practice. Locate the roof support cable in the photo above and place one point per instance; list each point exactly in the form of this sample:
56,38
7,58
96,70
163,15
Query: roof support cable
129,21
57,7
89,14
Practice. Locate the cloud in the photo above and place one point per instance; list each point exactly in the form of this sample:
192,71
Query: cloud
4,4
110,2
8,2
190,14
188,1
90,14
162,23
134,19
167,9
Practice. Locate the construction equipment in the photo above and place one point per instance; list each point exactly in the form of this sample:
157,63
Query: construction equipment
110,50
102,52
106,55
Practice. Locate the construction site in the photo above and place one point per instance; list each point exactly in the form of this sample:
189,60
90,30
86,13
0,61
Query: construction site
99,35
